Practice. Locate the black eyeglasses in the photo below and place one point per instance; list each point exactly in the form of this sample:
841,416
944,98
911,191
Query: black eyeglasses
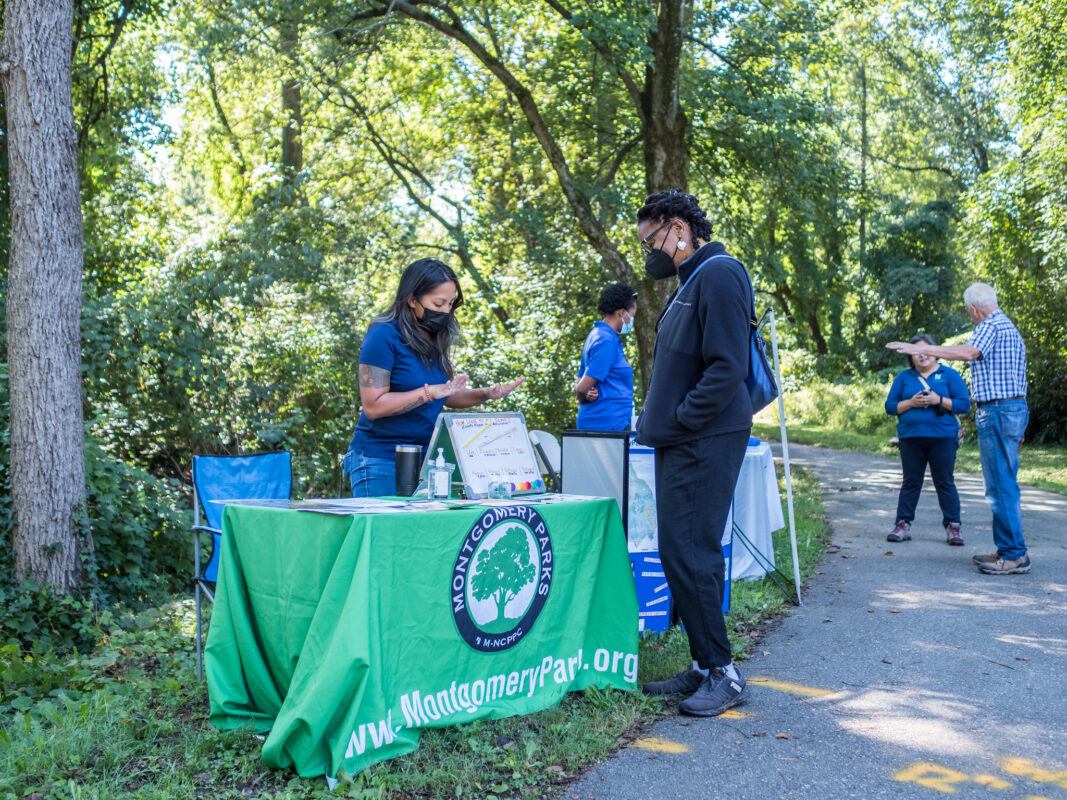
645,246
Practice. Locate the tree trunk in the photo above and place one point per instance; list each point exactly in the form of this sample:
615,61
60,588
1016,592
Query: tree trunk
666,156
44,295
863,164
292,146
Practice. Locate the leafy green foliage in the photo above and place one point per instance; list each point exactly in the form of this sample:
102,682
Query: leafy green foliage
857,405
139,527
913,272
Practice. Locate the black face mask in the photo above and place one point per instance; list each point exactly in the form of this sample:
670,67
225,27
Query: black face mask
433,321
659,265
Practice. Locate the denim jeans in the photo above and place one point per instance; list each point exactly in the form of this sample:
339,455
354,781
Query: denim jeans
940,453
369,476
1001,425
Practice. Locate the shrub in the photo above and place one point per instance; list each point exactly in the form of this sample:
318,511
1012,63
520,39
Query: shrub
858,405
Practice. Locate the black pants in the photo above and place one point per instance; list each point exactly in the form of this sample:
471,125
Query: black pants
940,453
694,486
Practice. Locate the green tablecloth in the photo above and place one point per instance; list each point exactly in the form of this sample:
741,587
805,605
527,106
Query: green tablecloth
344,635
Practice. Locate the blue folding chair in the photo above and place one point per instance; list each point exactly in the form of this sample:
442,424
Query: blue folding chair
267,476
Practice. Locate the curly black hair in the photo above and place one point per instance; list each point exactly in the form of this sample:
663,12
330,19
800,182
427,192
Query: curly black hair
671,203
615,297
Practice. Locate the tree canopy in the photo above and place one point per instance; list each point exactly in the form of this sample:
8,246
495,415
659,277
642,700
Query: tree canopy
255,176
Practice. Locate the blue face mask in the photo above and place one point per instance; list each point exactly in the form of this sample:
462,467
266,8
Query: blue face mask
627,326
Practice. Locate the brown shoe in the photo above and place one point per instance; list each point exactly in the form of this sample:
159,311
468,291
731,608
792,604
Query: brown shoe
952,534
1007,566
986,559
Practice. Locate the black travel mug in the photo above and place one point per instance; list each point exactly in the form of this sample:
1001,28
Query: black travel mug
408,457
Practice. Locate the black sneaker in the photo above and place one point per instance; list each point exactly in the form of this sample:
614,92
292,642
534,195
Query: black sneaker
685,682
717,693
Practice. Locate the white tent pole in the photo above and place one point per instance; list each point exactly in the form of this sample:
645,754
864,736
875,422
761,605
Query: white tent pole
785,457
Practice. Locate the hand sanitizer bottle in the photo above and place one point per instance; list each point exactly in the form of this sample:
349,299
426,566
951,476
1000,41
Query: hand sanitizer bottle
440,477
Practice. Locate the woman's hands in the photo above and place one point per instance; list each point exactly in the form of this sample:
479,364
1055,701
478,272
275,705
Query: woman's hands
463,396
457,384
919,400
925,399
498,390
585,389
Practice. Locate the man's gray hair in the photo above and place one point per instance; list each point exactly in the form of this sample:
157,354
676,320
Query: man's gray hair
980,295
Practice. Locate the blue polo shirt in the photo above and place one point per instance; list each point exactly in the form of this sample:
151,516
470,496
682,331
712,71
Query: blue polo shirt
603,359
384,347
914,422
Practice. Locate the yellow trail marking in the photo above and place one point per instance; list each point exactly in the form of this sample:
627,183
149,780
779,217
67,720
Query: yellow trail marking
791,688
992,781
660,745
1027,768
932,776
733,713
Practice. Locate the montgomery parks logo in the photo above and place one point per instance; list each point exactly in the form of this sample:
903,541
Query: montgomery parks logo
501,578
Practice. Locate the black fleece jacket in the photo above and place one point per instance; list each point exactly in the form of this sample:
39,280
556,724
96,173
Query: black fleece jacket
701,358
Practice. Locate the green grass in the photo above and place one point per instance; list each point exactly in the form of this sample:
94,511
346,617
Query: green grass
139,728
1040,465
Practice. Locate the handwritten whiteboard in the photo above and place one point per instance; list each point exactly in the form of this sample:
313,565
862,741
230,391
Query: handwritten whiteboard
487,448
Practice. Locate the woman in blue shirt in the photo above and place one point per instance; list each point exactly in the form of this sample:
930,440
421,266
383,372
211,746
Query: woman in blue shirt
925,399
605,387
406,376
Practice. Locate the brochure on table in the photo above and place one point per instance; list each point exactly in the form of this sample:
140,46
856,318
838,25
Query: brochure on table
485,448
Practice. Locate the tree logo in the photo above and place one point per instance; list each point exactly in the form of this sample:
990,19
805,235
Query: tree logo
501,578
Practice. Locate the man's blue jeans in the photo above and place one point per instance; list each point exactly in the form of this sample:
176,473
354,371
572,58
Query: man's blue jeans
1001,425
369,476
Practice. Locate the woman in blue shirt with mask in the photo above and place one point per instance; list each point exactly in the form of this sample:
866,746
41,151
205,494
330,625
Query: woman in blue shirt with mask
926,399
406,376
605,387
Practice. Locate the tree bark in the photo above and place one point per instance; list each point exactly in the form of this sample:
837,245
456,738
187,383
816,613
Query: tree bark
666,155
44,295
863,164
292,145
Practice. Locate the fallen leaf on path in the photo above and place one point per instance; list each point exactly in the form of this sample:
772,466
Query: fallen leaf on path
1017,658
895,611
890,553
781,736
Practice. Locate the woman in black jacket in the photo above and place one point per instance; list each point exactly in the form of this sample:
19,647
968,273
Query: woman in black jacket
697,415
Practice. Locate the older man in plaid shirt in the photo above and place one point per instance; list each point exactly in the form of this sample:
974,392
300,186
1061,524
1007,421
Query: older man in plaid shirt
998,387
